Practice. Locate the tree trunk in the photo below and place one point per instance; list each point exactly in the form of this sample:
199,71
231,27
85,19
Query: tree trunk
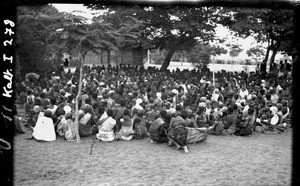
274,52
108,57
268,52
77,98
167,60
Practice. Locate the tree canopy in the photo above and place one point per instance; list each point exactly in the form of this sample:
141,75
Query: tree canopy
174,28
201,54
274,26
33,51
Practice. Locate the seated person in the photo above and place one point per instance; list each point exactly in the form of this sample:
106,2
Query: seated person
177,133
200,117
85,122
139,125
157,130
44,128
231,121
126,132
245,128
106,130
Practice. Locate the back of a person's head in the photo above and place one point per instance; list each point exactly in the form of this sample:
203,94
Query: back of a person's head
42,95
250,110
184,114
94,95
101,110
126,112
29,91
178,107
37,101
53,100
88,101
230,109
122,102
47,113
110,113
163,113
140,113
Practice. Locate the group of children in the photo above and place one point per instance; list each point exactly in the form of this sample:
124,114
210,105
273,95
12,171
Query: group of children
179,107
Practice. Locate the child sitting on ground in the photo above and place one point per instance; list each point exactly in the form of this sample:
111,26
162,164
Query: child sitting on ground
139,125
126,132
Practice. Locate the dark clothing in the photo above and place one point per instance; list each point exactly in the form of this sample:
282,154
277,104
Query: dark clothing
263,67
231,121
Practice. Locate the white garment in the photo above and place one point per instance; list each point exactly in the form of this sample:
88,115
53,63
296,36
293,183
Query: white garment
44,129
85,118
274,119
105,135
137,106
125,133
106,132
53,110
108,124
104,116
215,97
244,94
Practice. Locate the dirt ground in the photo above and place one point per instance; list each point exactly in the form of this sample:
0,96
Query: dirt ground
261,159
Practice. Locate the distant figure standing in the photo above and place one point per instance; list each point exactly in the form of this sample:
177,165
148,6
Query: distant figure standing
257,68
281,69
288,69
263,68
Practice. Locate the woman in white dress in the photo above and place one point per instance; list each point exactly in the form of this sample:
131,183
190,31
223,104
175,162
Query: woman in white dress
44,128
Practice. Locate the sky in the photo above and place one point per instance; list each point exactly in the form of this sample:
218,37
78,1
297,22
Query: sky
220,31
71,7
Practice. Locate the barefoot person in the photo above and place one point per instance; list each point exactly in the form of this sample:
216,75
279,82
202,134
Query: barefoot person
178,133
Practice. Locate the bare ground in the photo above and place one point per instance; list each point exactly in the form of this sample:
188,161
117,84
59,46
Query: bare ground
221,160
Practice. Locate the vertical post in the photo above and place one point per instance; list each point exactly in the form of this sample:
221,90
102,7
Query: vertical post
213,70
77,98
148,56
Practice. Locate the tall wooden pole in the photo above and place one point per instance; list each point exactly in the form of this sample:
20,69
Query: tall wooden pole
77,99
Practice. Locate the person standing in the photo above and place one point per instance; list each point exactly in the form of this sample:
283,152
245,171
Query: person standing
263,68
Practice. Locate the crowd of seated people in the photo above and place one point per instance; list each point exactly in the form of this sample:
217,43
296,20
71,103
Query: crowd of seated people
127,102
